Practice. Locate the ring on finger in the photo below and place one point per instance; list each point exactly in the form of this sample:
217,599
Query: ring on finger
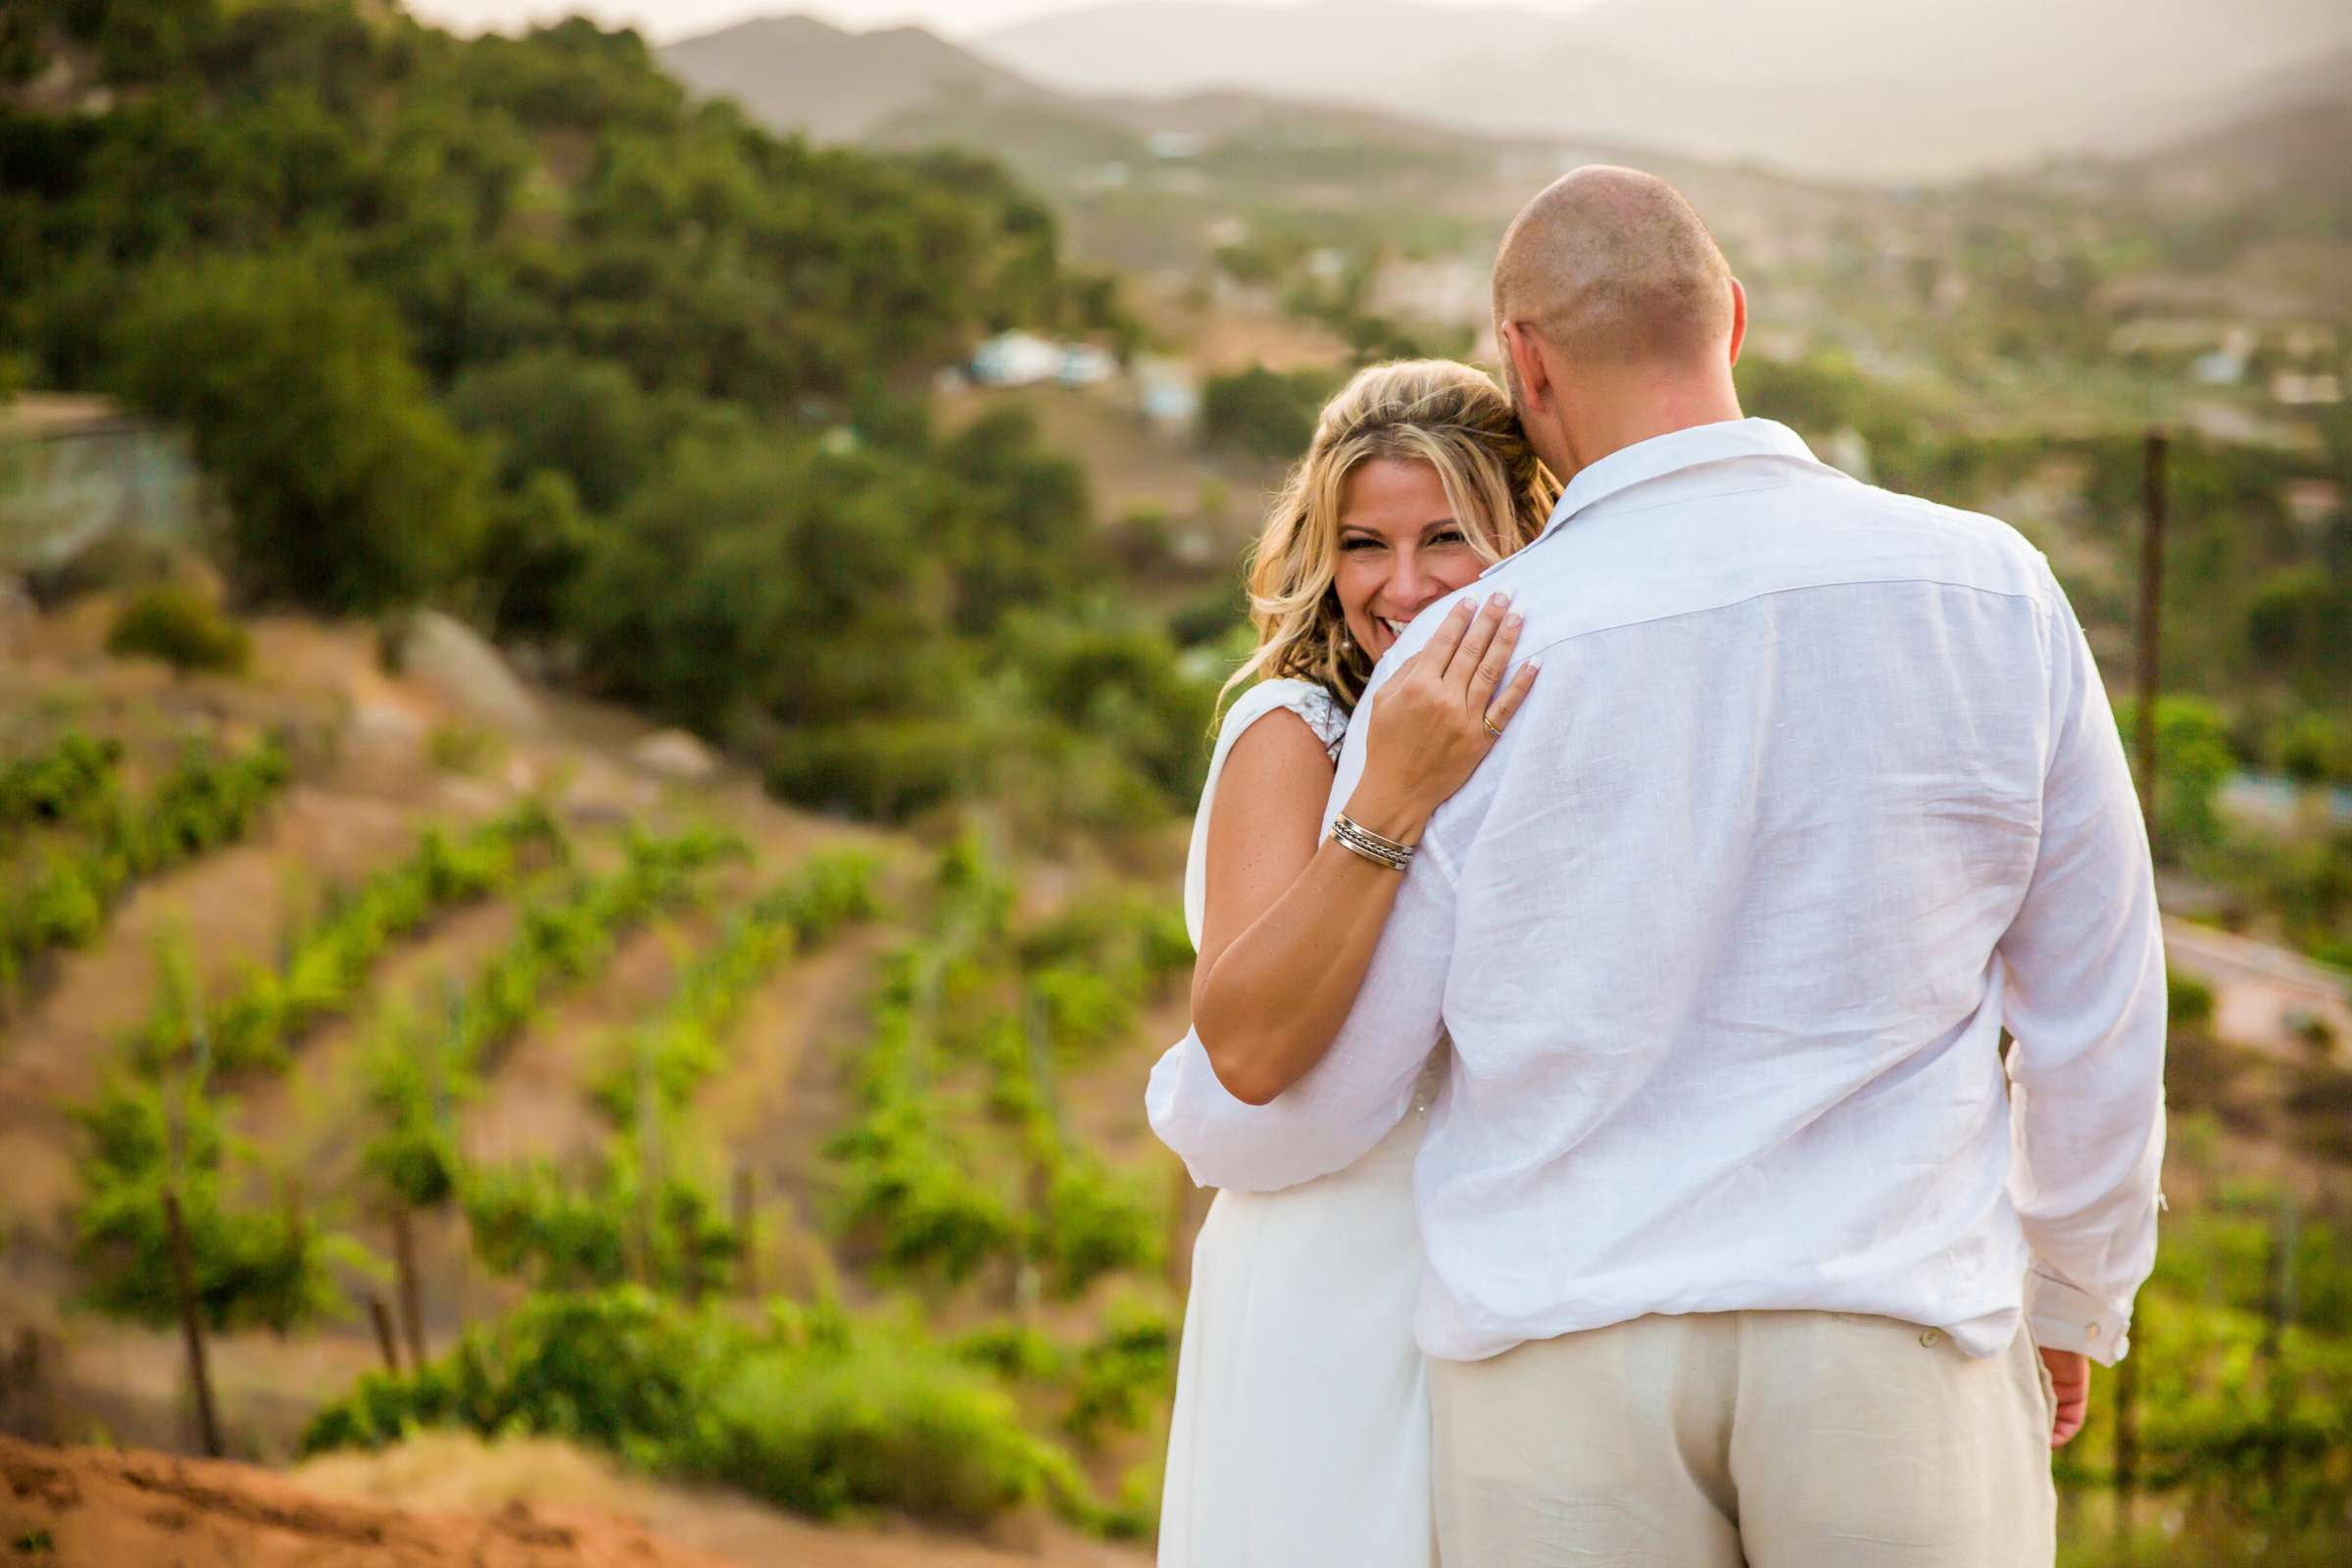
1493,728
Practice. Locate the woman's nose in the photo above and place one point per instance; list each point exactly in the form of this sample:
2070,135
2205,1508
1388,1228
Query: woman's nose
1410,586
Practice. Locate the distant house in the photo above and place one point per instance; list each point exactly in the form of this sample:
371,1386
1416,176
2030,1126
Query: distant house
1025,359
1084,365
1016,359
2226,364
2312,502
2298,391
76,470
1167,392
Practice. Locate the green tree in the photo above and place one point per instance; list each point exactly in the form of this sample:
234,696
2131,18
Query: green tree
2192,762
1264,412
551,409
2299,626
347,489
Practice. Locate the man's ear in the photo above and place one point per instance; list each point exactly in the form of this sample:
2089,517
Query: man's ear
1738,318
1529,373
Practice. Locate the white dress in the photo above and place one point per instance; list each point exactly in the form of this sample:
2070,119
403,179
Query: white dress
1300,1432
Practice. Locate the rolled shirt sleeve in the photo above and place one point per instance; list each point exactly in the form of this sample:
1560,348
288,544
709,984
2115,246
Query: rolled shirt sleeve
1364,1084
2083,962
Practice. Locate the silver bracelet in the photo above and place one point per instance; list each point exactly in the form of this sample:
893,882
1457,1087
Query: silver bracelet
1374,847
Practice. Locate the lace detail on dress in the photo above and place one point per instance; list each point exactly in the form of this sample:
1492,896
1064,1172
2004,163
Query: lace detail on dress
1323,715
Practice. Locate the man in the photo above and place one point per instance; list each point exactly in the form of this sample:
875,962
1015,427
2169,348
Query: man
1746,1243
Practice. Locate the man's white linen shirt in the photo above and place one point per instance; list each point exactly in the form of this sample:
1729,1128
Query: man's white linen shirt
1818,790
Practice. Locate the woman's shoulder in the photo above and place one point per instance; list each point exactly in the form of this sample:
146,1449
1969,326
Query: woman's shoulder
1313,703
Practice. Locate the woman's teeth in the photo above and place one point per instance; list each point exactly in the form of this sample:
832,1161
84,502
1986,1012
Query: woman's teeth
1395,627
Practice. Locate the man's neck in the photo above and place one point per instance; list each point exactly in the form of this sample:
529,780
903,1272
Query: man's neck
1612,417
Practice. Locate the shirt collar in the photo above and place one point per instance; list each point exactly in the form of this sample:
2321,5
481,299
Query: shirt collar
1671,452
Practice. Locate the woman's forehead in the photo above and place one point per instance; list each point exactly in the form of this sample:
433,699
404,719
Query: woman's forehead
1393,496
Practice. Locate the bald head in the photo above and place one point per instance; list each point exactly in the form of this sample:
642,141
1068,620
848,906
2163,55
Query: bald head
1611,267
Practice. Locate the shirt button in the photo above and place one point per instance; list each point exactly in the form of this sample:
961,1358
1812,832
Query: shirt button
1932,1338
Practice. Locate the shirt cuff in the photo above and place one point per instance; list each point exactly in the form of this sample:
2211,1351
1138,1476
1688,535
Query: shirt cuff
2063,1318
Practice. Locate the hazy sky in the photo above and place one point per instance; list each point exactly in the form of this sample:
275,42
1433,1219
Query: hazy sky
664,19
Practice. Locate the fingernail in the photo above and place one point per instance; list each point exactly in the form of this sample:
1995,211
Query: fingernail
1511,622
1499,598
1534,664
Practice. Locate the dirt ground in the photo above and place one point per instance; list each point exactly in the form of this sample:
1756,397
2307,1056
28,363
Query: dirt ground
93,1509
462,1503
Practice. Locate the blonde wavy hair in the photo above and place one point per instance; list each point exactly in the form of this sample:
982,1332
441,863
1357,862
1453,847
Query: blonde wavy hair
1437,412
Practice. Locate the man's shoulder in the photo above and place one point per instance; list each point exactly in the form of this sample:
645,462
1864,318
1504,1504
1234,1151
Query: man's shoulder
1841,531
1976,535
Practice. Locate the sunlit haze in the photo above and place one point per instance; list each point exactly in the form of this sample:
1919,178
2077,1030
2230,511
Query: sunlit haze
665,20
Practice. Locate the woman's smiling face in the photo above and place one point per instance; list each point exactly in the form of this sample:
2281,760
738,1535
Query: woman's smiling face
1401,550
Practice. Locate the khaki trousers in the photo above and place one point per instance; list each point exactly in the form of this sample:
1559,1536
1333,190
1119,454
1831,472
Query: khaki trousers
1774,1440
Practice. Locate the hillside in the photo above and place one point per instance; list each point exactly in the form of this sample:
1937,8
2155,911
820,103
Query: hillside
2294,154
386,765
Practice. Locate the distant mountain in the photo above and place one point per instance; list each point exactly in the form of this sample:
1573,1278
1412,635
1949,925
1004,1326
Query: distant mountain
902,85
2298,152
1823,86
800,74
1343,49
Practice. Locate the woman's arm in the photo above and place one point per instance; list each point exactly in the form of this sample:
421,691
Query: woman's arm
1291,924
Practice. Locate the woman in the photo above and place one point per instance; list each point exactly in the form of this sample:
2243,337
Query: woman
1300,1435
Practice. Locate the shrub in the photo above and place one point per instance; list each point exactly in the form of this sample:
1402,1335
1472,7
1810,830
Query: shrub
266,1267
1097,1221
1125,1375
888,770
1264,412
528,1223
326,964
620,1368
683,1045
906,1192
2192,761
2311,749
182,629
59,785
2188,1001
886,1421
413,1089
204,802
832,890
461,747
810,1409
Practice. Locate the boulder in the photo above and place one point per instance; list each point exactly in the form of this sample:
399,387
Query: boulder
674,753
459,663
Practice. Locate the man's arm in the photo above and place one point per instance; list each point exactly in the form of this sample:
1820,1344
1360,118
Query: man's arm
1364,1085
2086,1001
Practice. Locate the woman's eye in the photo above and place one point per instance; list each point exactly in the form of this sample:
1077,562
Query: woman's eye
1360,543
1451,536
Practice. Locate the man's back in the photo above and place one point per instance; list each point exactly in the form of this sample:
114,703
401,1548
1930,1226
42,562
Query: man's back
1726,907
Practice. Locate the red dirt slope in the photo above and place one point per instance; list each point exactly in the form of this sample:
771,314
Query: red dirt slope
96,1509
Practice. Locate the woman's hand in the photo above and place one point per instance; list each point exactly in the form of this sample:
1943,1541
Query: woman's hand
1436,721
